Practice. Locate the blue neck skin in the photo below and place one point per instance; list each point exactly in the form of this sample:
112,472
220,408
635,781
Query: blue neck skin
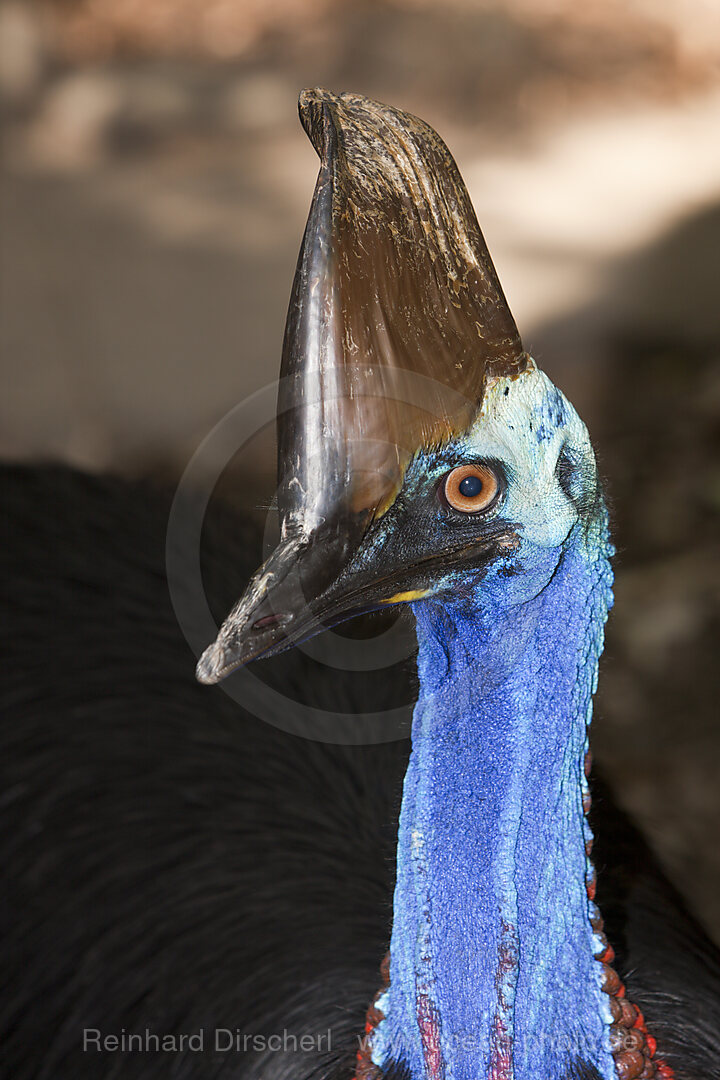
492,973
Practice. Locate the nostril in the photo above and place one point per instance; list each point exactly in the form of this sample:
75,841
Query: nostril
268,621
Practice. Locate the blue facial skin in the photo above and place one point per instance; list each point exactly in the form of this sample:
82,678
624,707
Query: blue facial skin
492,973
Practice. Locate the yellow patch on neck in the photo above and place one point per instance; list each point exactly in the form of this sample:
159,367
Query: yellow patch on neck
406,597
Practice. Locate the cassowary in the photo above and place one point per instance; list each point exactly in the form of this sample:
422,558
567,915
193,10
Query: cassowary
194,893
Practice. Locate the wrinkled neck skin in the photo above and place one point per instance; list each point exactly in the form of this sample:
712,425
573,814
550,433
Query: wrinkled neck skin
492,970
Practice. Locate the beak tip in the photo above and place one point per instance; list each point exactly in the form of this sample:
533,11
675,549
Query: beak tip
211,665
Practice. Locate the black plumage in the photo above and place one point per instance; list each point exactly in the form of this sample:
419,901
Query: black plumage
174,864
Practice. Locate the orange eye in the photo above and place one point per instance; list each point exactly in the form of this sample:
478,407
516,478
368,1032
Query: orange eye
470,488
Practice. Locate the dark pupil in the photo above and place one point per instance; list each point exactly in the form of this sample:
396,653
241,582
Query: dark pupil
470,487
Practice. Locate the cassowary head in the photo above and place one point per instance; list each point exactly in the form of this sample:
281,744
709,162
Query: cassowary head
421,452
424,459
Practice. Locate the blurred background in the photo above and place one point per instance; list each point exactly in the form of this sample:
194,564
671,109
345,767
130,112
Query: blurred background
155,184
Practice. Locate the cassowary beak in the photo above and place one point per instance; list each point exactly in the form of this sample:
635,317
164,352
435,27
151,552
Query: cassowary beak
396,323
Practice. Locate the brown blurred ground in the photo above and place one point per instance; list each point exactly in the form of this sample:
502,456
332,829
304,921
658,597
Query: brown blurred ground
155,186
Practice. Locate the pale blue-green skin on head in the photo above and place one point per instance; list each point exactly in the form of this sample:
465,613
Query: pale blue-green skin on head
492,974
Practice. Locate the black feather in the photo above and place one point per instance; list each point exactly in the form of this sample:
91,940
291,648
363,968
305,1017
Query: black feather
580,1070
176,865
